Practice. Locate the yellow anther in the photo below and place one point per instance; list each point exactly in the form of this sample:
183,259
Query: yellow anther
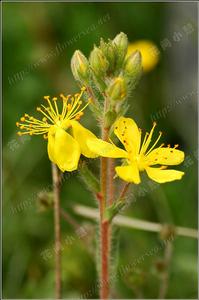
76,95
154,124
54,98
46,97
168,145
83,88
22,119
63,97
163,167
69,106
17,124
176,146
21,127
45,136
19,133
44,119
38,108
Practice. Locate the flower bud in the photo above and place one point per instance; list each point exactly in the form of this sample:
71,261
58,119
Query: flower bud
110,118
80,66
133,67
109,51
118,89
98,62
121,43
149,51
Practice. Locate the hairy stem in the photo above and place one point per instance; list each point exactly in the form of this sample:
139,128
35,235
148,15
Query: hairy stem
104,292
111,187
57,214
124,191
104,225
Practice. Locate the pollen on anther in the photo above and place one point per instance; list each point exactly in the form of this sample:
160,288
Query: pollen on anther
176,146
22,119
69,106
46,97
54,98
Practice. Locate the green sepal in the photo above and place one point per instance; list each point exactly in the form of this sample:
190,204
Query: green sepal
113,210
89,178
110,118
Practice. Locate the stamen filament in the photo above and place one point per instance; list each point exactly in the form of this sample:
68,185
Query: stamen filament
160,134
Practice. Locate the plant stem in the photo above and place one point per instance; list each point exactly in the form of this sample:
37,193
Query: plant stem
129,222
104,225
57,214
104,292
165,276
124,190
111,187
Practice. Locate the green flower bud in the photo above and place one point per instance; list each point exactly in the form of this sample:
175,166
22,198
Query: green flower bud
98,62
80,67
110,118
109,50
121,43
133,68
118,89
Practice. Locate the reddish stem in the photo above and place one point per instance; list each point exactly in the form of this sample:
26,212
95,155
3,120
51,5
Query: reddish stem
104,291
57,213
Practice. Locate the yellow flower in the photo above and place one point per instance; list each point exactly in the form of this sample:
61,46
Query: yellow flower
149,52
64,148
139,156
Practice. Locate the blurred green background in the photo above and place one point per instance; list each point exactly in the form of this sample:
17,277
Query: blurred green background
38,42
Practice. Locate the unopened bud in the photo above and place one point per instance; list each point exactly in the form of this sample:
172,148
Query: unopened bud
133,68
110,118
80,66
109,50
118,89
121,43
98,62
133,64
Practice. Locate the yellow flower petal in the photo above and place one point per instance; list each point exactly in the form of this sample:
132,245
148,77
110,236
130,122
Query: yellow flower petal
51,143
161,176
63,149
165,156
129,173
128,133
81,134
106,149
149,52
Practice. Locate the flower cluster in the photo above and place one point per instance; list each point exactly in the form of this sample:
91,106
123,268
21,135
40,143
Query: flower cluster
114,67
